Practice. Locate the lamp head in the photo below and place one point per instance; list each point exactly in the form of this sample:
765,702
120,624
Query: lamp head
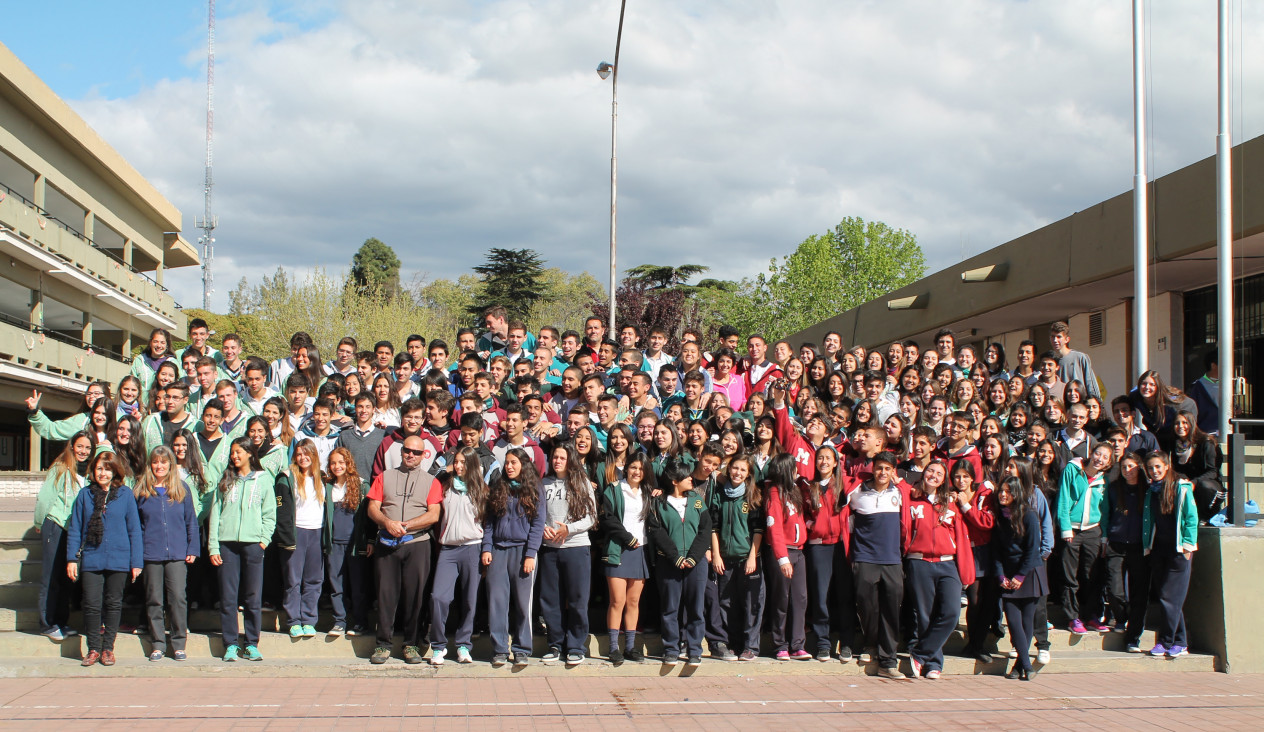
604,69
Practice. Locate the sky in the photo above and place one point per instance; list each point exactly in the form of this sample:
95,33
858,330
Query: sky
447,127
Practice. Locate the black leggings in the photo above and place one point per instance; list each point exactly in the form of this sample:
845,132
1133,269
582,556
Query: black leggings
1020,615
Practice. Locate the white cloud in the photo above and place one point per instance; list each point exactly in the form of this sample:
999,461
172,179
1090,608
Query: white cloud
445,128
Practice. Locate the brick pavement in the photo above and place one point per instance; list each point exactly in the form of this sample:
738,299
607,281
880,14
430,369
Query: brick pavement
1186,702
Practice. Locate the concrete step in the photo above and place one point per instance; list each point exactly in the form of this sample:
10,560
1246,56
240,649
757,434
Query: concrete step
19,594
20,570
11,529
16,550
208,643
132,663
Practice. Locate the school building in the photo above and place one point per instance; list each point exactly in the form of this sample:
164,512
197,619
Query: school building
84,242
1080,269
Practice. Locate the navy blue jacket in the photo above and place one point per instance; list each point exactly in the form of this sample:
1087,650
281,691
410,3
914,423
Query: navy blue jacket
514,528
171,529
121,544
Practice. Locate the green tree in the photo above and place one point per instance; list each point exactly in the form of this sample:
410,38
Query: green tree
826,274
510,278
664,277
375,269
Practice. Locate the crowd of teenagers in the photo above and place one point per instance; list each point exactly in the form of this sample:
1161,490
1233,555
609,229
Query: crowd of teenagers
832,498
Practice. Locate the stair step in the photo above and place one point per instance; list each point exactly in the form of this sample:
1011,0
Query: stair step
132,663
16,550
20,570
19,594
12,529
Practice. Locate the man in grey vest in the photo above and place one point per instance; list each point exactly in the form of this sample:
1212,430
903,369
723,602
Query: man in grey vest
404,503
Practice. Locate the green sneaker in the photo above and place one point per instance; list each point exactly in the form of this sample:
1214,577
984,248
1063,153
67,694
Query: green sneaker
412,654
296,631
230,653
253,654
381,655
309,631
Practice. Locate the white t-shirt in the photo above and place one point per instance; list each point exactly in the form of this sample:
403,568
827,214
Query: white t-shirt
309,513
680,503
633,504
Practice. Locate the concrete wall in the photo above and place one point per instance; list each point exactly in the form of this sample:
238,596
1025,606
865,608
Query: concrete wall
1225,596
20,484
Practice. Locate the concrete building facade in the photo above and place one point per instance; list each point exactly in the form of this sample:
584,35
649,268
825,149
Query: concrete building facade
1080,270
84,243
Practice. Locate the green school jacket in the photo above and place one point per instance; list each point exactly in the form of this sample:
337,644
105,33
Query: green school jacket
247,513
673,538
56,497
146,375
1186,518
61,430
735,523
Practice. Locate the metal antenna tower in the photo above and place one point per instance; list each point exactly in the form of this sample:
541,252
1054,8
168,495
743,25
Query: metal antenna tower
209,221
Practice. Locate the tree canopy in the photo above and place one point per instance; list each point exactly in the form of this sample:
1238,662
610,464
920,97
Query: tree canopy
511,278
375,268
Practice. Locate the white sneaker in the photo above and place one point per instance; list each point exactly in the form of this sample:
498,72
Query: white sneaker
437,657
1013,653
1043,658
463,655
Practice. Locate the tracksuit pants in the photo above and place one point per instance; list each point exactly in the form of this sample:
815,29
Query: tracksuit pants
346,576
565,579
984,600
54,590
735,606
879,592
1171,580
509,597
936,588
828,566
456,579
788,601
304,575
1128,587
1081,598
240,583
681,596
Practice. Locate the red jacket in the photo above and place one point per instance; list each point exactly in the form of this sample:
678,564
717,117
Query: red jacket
969,453
981,516
824,525
931,536
774,372
786,527
792,442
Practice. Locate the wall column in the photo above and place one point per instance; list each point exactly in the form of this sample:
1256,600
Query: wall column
37,194
89,225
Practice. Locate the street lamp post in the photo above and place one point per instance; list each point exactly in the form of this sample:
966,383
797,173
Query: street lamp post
611,71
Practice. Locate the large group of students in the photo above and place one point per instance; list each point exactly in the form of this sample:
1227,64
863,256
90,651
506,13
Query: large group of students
833,498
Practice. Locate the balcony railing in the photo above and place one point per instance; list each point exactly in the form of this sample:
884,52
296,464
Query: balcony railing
64,338
79,235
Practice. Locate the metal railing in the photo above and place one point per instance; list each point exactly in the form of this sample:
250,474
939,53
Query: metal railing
1235,508
61,337
80,235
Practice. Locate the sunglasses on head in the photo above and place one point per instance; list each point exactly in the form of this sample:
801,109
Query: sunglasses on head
410,451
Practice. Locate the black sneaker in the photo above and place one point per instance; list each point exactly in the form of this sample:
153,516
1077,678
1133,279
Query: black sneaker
822,654
616,656
694,661
552,655
520,660
670,659
721,652
635,656
844,654
500,659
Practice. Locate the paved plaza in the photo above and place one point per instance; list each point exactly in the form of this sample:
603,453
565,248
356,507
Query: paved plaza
1173,701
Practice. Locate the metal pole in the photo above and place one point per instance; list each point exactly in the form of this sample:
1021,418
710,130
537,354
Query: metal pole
614,169
1224,229
1140,221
